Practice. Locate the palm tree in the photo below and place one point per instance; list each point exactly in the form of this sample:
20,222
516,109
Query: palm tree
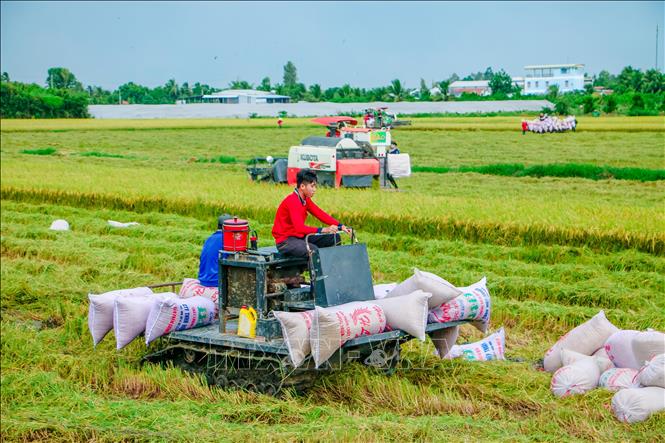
396,89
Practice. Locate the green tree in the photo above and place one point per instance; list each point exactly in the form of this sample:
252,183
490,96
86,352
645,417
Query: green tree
265,85
630,79
315,91
62,78
425,95
290,75
172,89
653,81
637,104
501,83
5,77
588,104
240,84
562,107
443,86
605,79
609,104
552,93
396,90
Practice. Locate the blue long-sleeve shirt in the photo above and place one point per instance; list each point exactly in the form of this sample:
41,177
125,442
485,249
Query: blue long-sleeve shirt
209,265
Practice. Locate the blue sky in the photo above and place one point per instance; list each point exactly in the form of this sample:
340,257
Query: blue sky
365,44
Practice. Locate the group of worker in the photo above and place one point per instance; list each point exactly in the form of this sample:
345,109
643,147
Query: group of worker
289,229
377,118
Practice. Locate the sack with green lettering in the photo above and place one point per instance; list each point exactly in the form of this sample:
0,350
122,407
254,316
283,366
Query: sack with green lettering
178,314
473,304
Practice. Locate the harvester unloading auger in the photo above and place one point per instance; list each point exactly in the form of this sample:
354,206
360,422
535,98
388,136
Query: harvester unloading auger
350,156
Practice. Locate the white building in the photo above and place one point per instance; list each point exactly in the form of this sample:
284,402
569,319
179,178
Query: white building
479,87
568,77
248,96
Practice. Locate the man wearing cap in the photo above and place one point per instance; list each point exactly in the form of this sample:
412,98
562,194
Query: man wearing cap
289,229
209,264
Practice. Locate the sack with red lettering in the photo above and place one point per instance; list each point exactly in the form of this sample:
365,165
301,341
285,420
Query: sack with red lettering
100,310
619,348
618,378
490,348
295,330
585,339
334,326
576,378
177,314
191,287
473,304
635,405
653,372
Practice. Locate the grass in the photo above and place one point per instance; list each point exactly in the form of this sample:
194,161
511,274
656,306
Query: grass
44,151
555,250
102,155
554,170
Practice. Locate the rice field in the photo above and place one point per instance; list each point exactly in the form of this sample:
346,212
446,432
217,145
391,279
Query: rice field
554,250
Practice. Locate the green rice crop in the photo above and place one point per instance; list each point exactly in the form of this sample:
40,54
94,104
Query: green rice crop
554,170
44,151
102,154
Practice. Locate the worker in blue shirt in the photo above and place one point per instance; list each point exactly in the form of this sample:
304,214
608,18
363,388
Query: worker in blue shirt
209,265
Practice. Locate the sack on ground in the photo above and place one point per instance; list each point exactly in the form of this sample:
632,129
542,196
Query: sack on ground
407,312
100,310
585,339
618,378
382,290
130,315
191,287
444,339
653,372
619,349
177,314
569,357
473,304
334,326
295,330
576,378
491,347
647,345
636,405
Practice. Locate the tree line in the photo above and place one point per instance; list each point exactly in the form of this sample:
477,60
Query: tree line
633,92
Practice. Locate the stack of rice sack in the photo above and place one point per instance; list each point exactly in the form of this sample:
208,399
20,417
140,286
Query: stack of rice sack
132,312
597,353
551,124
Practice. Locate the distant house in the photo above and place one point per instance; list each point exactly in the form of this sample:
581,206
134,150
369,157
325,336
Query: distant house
237,96
480,87
568,77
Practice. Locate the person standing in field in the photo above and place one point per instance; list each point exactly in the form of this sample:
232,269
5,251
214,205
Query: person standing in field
289,229
279,122
209,260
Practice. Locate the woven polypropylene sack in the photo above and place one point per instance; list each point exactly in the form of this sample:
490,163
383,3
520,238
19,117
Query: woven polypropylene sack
647,345
130,315
638,404
576,378
442,291
403,288
382,290
100,310
618,378
569,357
334,326
585,339
653,372
407,312
619,349
177,314
191,287
444,339
295,330
491,347
473,304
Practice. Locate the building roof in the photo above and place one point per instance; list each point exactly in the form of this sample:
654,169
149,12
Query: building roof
235,93
470,84
567,65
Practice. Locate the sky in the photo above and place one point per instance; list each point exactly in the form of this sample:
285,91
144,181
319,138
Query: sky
365,44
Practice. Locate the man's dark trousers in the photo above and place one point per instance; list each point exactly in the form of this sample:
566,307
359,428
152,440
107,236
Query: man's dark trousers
295,247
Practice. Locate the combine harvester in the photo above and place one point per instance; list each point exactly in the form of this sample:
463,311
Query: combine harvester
263,278
350,156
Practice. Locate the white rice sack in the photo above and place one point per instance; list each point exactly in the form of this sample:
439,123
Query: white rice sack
473,304
491,347
381,291
648,344
334,326
441,290
618,378
191,287
177,314
601,352
576,378
407,312
130,315
100,310
653,372
295,330
59,225
585,339
444,339
405,287
619,349
636,405
569,357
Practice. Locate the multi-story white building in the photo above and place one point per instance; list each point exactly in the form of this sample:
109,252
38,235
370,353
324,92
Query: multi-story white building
568,77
